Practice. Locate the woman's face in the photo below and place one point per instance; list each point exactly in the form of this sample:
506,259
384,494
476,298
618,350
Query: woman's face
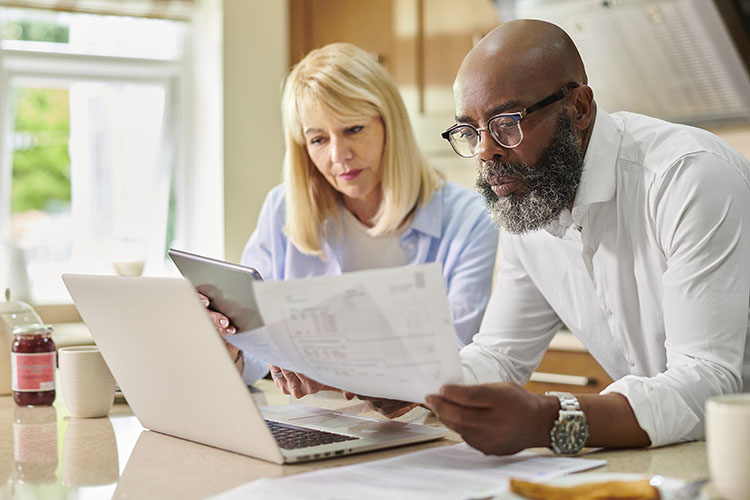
349,155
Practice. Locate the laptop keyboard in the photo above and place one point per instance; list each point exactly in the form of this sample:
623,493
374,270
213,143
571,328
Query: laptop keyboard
291,437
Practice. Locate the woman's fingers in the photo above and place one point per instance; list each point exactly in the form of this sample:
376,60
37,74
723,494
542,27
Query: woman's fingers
222,323
293,383
278,378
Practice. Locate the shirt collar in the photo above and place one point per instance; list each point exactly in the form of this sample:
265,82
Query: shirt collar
598,177
428,218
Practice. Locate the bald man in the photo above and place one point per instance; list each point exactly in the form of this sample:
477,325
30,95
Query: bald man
631,231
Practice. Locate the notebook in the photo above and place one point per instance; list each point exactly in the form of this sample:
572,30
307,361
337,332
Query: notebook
174,370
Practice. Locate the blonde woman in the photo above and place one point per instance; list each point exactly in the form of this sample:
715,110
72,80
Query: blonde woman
357,193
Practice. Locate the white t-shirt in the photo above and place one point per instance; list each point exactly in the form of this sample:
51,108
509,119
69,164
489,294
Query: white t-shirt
362,251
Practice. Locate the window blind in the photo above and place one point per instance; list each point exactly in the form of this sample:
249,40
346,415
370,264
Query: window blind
178,10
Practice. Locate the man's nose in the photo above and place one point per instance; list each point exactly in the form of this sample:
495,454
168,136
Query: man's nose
488,148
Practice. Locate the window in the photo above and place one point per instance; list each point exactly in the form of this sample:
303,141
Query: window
91,142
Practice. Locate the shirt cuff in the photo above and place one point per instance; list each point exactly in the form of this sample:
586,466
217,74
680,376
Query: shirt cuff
660,410
253,369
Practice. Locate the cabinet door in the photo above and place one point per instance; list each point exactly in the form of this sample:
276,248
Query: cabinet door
420,42
367,24
569,371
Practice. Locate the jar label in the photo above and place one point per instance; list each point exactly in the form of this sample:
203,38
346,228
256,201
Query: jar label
33,371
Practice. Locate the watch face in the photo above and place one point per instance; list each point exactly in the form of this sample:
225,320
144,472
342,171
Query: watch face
570,433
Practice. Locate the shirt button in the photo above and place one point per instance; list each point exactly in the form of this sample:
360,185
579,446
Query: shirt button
589,252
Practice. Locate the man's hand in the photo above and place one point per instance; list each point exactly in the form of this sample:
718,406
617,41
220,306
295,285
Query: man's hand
496,419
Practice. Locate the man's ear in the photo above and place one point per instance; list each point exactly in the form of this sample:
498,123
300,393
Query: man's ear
585,109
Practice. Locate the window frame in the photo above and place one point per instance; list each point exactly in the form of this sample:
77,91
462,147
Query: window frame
22,67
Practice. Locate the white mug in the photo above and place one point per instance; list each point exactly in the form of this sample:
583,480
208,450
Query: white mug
87,385
728,445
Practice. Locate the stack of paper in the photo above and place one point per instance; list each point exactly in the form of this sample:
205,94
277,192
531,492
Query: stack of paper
384,333
451,472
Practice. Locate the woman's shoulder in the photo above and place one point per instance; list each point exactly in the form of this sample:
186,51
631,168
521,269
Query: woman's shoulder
455,198
275,202
276,195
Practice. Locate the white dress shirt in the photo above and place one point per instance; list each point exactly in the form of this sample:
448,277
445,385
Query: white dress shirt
650,270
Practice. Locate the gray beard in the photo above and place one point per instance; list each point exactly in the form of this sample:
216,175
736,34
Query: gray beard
551,183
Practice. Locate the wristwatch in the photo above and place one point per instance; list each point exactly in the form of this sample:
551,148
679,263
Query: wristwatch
570,431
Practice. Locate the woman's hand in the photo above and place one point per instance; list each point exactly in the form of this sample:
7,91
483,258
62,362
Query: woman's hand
224,326
221,322
299,385
389,408
295,383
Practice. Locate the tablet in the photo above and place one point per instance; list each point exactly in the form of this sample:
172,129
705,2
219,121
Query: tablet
228,286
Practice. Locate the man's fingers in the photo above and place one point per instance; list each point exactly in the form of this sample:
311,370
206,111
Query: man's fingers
455,416
477,396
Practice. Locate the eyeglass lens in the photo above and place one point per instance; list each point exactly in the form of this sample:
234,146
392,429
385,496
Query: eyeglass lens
504,129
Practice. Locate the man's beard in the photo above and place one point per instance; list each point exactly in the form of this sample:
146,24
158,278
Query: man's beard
551,183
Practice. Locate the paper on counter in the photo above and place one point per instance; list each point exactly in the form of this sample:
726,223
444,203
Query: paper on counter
450,472
384,333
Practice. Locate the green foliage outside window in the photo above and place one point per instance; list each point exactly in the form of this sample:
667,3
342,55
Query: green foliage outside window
41,163
33,30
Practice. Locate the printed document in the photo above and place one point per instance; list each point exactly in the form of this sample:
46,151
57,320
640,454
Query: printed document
384,333
456,472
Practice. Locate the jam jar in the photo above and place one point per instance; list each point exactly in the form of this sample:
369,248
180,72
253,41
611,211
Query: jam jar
33,365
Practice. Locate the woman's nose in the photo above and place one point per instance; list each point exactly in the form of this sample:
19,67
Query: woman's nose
341,150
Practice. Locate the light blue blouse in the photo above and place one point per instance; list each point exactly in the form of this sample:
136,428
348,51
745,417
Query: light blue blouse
452,229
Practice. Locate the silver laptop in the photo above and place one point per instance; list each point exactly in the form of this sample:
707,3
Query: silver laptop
173,368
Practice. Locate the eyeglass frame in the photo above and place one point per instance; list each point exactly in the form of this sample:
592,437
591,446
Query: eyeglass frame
516,117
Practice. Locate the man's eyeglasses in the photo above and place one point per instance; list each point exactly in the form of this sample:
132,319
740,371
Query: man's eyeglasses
505,128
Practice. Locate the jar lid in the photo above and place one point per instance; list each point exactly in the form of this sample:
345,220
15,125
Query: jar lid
15,314
31,329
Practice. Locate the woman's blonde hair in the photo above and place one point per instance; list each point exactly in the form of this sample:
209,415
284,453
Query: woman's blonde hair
343,82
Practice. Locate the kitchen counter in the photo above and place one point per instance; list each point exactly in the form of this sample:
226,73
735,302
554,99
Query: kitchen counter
44,453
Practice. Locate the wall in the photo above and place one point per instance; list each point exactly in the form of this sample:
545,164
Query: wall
737,135
256,38
255,61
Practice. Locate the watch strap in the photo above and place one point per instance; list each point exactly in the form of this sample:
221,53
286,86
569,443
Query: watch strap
568,401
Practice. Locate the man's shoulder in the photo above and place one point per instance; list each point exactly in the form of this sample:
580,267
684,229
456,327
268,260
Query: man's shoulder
656,144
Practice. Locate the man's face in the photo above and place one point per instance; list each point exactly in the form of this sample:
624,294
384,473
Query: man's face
527,186
549,184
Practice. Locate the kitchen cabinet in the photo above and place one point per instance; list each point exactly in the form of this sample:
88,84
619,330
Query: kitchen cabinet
567,366
420,42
